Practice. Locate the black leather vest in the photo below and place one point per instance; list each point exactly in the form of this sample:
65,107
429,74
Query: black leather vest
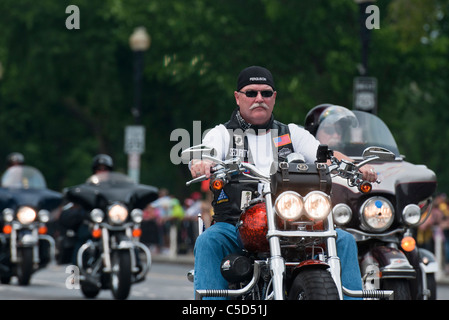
229,201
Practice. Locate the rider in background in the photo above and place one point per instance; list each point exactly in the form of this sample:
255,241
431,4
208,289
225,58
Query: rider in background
14,159
72,215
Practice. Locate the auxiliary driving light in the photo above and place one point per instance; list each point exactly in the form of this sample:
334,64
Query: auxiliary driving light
342,214
411,214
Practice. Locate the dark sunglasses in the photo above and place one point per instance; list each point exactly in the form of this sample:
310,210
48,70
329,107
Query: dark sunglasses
254,93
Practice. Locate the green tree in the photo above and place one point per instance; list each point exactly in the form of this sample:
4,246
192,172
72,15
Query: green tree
66,95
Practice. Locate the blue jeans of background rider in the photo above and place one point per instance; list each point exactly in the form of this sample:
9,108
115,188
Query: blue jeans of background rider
221,239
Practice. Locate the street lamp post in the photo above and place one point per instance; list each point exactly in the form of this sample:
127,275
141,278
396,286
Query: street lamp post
139,42
365,87
1,76
135,135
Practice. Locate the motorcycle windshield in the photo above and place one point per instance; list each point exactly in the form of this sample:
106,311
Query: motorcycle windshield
23,177
353,136
108,178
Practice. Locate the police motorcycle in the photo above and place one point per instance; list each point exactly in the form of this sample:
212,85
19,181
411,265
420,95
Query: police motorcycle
384,222
26,204
287,230
112,257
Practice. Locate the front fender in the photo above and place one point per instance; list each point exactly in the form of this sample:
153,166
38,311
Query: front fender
125,245
27,240
392,263
428,261
310,263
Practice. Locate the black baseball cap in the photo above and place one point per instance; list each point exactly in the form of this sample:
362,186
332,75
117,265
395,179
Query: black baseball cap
254,75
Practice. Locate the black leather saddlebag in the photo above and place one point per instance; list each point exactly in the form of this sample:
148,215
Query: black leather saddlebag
301,178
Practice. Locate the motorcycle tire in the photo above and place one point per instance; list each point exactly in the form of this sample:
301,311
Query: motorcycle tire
313,284
25,266
400,287
89,290
5,279
432,286
121,274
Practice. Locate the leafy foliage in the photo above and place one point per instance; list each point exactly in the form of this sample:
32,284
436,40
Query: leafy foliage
66,95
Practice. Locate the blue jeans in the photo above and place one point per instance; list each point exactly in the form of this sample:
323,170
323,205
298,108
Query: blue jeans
221,239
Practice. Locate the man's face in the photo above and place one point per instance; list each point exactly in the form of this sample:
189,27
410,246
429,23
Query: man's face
255,110
329,134
101,168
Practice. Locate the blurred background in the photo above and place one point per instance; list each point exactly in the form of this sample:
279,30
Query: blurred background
68,94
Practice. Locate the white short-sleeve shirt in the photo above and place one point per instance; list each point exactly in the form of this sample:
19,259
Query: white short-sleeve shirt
261,145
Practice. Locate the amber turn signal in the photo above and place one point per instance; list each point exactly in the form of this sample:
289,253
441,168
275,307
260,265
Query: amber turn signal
96,233
217,184
137,233
365,187
42,229
408,244
7,229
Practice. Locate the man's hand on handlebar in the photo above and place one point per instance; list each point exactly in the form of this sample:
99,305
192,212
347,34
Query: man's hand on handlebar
201,167
369,174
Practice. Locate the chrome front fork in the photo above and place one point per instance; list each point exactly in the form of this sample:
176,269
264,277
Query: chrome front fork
277,263
106,255
333,259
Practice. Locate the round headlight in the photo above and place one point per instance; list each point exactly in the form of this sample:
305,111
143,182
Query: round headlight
411,214
317,205
44,215
117,213
97,215
342,214
26,215
289,205
8,214
137,215
377,214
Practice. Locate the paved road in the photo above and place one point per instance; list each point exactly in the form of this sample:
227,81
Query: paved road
164,281
443,292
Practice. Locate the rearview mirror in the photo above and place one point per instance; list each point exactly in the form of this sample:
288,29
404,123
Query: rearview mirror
382,154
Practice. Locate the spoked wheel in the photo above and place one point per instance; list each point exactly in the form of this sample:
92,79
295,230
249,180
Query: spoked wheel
121,274
313,284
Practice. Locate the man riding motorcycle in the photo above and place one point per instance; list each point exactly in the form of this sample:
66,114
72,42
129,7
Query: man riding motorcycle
72,215
384,220
255,137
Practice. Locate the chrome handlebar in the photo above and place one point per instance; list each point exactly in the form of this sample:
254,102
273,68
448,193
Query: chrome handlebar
227,168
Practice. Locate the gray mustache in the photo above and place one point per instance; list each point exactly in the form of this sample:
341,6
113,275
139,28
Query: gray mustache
256,105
